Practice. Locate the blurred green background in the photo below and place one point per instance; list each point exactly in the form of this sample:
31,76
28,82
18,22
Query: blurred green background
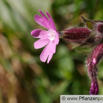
23,77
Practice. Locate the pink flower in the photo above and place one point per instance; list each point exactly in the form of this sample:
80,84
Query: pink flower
49,38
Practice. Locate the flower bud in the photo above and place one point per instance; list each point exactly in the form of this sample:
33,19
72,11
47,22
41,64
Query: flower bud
100,28
92,61
76,34
97,54
94,88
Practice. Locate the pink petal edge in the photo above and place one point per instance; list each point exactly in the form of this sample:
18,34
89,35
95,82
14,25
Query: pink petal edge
50,57
51,23
48,14
41,21
44,54
48,52
43,15
41,43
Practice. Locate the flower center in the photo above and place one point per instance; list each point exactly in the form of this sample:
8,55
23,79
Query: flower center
52,34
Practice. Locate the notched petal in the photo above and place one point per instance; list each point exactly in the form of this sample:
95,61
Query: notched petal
41,21
48,14
48,52
43,15
49,57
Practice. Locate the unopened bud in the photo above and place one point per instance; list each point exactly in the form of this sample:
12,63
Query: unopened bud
94,88
76,34
100,28
97,54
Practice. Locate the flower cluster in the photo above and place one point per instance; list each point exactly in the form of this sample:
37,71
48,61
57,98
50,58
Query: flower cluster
90,34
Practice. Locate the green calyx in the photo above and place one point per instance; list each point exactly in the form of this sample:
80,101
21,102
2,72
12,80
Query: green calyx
88,23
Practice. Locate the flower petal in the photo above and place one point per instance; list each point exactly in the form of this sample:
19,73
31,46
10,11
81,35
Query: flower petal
38,33
41,21
35,33
48,15
51,23
41,43
43,15
48,52
49,58
44,54
57,39
52,47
